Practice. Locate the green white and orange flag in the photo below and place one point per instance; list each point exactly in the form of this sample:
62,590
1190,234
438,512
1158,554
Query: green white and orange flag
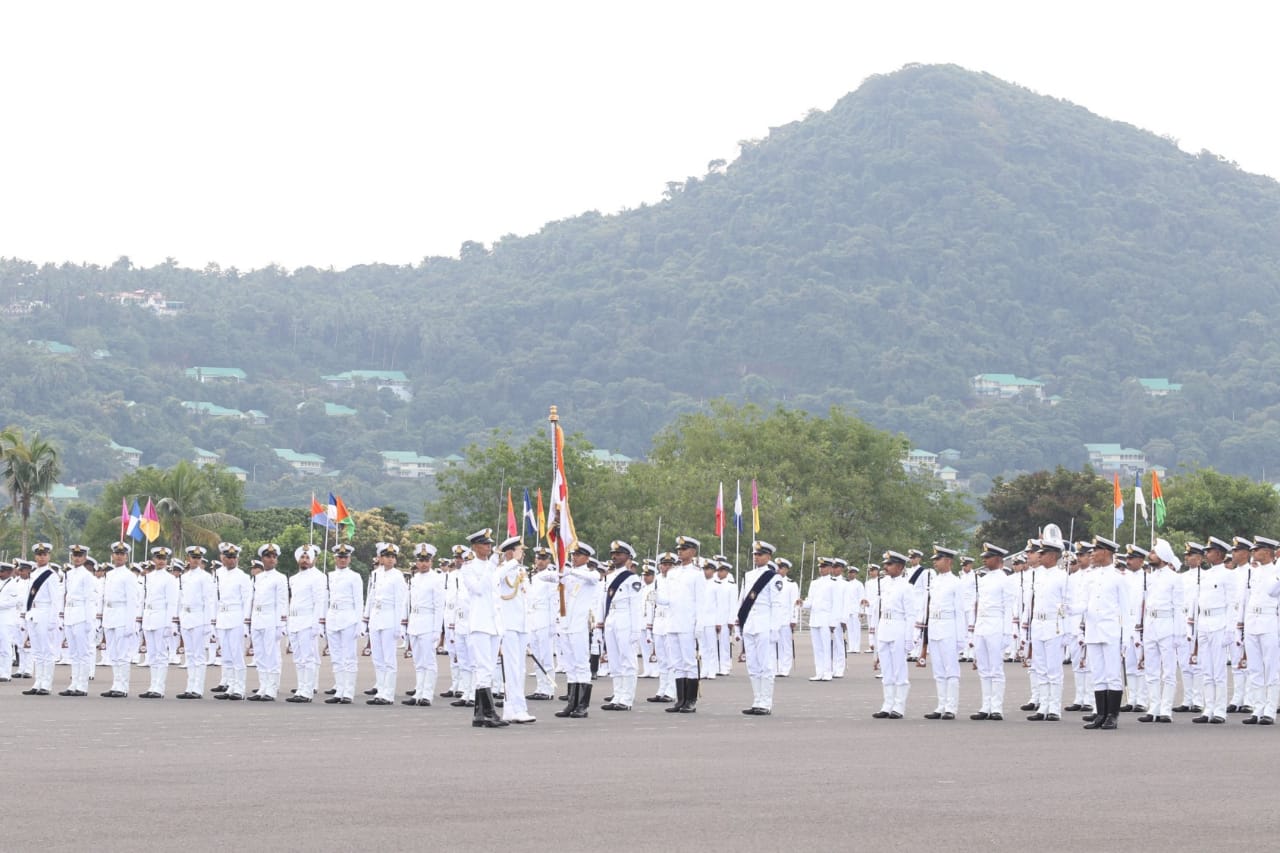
1157,499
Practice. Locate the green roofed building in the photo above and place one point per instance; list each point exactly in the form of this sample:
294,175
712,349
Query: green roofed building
1159,387
407,464
216,374
1005,385
305,463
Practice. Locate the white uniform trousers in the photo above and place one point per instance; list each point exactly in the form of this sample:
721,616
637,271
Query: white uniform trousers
1263,653
121,643
648,654
465,665
989,653
725,638
839,658
9,639
1137,678
1046,664
785,657
1192,681
266,659
80,651
451,646
44,649
683,652
576,657
709,650
1214,654
382,648
666,667
343,659
1239,677
234,671
821,638
1106,666
544,669
484,657
894,679
761,663
157,640
425,666
196,642
1080,671
620,643
945,661
1160,668
305,662
515,645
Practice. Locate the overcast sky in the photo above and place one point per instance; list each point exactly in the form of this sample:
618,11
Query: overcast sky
333,134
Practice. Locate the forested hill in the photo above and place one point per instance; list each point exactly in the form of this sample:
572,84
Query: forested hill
935,224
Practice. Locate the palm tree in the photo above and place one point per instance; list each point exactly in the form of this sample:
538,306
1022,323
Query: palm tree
29,470
188,509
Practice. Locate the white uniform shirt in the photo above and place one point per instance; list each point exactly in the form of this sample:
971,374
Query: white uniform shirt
996,605
542,601
685,587
513,594
426,603
388,602
346,599
235,597
159,599
308,600
1047,607
1259,603
43,608
579,596
270,601
821,603
626,607
197,599
769,604
80,596
11,599
1217,599
943,604
897,609
1106,607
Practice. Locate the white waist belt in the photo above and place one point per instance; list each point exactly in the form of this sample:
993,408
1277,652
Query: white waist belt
942,614
889,617
190,609
1044,615
1212,611
422,609
154,607
296,613
227,608
116,603
343,605
262,608
1160,614
1262,611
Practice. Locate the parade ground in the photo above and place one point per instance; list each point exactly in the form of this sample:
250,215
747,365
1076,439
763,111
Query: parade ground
117,774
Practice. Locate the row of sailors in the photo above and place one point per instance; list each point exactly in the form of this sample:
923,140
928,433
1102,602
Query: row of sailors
663,616
681,611
1123,619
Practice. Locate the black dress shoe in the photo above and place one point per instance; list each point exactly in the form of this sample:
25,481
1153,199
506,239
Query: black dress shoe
1217,721
298,699
894,715
1200,719
564,698
1266,721
1244,709
149,695
221,688
1146,718
31,691
377,700
67,692
185,695
881,715
1250,721
1030,706
222,696
346,700
1196,709
424,703
981,715
1164,719
995,716
112,694
1231,709
409,701
1140,709
1074,707
933,715
372,691
266,698
1052,718
1109,723
1087,708
1124,709
538,697
664,700
255,697
947,715
410,692
1036,717
332,700
1181,709
235,697
332,691
450,694
460,703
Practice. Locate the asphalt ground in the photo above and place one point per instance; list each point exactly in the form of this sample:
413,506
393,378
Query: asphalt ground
130,774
